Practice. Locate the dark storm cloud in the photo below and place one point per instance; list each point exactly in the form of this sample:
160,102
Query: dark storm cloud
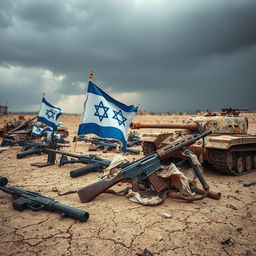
194,52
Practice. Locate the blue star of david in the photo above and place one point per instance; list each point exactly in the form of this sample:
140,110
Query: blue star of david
50,113
122,118
105,110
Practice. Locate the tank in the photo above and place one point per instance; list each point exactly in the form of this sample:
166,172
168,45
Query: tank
229,149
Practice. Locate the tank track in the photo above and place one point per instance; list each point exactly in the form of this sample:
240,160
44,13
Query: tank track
219,160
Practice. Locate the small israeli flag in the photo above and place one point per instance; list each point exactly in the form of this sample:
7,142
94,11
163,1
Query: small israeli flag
49,114
105,116
36,130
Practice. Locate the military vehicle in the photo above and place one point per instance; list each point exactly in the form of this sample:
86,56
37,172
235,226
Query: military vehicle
229,149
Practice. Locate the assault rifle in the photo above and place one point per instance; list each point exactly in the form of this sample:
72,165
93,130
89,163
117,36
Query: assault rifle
36,202
105,144
32,148
144,168
93,162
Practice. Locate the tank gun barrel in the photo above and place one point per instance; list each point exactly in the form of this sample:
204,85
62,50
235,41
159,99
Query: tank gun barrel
189,126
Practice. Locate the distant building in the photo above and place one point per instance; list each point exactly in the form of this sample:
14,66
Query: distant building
3,110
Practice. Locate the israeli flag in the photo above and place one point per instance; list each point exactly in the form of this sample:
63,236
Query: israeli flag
105,116
36,130
49,114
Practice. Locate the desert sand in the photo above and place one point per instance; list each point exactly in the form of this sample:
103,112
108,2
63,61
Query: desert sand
116,225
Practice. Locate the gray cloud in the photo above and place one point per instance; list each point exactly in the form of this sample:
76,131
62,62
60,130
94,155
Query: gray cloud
193,53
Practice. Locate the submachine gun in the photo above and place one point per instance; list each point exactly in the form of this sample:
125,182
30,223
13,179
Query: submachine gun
24,199
93,162
144,168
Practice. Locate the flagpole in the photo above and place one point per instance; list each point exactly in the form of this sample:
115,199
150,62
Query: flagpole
91,73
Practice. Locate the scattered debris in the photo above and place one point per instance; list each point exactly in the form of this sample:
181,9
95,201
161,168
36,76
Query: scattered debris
239,230
248,252
3,148
231,206
146,252
167,215
251,183
227,241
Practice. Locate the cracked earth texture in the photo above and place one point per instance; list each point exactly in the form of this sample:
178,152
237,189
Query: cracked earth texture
118,226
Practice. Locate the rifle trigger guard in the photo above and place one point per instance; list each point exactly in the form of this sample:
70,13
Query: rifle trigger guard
36,208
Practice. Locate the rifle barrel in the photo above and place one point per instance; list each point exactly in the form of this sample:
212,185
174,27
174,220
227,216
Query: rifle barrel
167,150
91,167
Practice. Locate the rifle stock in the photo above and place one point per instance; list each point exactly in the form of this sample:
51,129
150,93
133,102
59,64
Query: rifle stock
86,194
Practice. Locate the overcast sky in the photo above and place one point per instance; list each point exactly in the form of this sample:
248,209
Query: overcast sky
167,56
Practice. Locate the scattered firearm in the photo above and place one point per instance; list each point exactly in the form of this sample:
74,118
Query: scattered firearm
248,184
32,148
36,202
11,143
24,125
105,144
93,162
85,139
133,139
144,168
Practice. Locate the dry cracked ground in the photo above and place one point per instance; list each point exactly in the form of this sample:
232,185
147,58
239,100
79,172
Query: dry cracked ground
118,226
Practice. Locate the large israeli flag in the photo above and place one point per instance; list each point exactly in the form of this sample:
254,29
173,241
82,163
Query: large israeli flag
49,114
105,116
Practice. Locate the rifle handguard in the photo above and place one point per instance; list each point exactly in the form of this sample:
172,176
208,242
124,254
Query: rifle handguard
84,170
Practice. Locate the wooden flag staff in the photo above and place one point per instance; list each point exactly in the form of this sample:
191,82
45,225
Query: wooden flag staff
91,73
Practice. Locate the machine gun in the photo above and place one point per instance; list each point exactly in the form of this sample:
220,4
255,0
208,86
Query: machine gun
93,162
32,148
105,144
232,111
144,168
36,202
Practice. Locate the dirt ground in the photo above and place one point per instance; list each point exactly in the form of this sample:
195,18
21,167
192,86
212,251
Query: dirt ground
118,226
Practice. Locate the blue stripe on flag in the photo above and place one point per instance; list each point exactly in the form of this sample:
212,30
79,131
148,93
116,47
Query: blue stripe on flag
104,132
47,122
92,88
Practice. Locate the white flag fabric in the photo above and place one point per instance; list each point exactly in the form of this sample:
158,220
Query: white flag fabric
105,116
49,114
